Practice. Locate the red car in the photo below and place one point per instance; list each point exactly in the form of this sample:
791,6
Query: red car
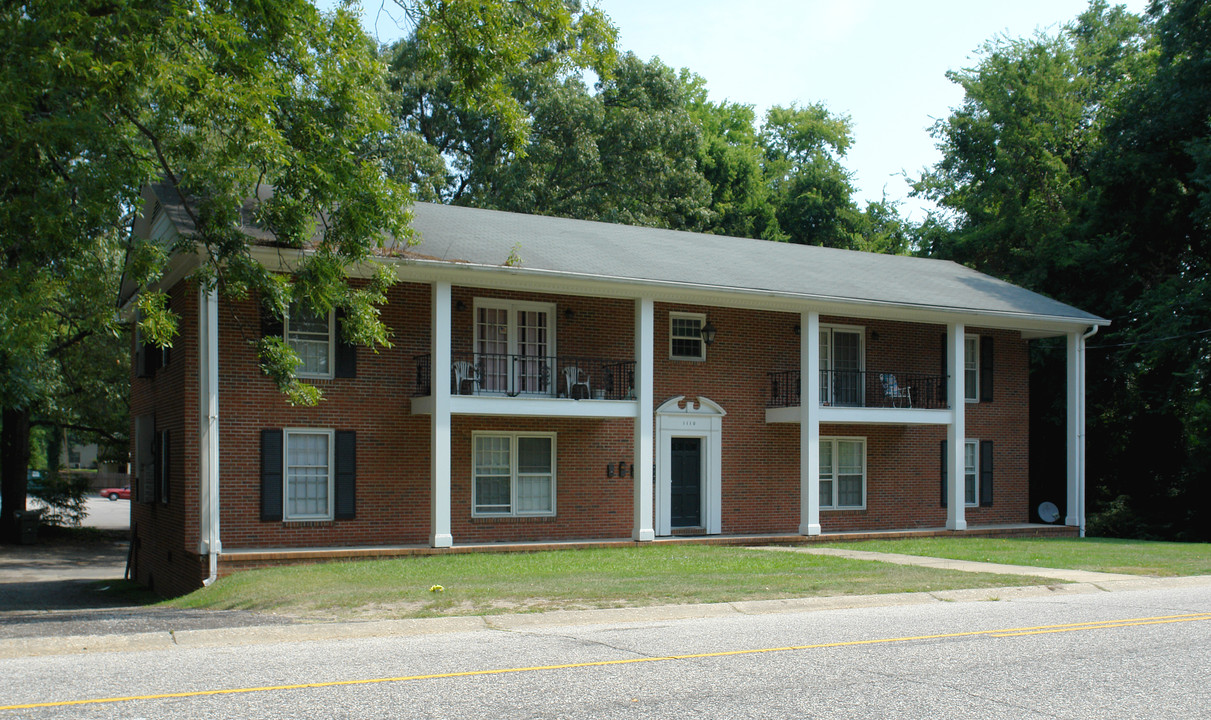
115,493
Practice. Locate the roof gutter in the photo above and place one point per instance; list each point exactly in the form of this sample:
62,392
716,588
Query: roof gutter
1080,438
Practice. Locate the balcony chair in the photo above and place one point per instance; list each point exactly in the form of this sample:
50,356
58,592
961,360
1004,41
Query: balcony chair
462,372
575,377
896,395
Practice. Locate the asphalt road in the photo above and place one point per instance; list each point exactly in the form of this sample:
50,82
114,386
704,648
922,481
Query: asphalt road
1128,653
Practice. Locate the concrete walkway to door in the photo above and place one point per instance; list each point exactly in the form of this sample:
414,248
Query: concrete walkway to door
1085,576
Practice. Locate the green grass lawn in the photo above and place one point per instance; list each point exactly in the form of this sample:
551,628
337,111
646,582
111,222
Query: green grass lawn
1132,557
491,583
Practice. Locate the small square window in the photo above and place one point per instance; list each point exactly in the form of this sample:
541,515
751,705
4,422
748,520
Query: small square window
685,336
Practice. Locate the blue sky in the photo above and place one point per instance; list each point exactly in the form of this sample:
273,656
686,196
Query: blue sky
882,62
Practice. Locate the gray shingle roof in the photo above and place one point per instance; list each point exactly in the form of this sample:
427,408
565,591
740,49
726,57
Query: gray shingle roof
637,254
628,254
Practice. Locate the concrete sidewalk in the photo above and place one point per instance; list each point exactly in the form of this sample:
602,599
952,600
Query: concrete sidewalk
1076,576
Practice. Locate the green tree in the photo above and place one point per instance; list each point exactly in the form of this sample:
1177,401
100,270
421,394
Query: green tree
811,191
219,100
1076,166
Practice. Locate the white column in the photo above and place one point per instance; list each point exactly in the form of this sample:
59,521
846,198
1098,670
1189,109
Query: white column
439,421
956,431
1075,514
645,428
209,542
809,423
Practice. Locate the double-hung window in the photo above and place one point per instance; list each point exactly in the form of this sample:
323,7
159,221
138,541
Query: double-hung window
685,336
971,472
841,364
308,476
311,336
513,474
843,473
515,345
971,368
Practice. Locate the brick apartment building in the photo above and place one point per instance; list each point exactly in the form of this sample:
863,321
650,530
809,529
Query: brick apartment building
563,380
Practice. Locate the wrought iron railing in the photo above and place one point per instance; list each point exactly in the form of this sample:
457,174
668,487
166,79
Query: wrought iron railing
862,388
555,376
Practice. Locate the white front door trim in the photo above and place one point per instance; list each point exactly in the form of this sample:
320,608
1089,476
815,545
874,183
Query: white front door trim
678,417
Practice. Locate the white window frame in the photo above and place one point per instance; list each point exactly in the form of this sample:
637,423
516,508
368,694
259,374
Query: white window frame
513,475
827,361
287,332
701,320
512,308
833,476
331,435
973,447
971,368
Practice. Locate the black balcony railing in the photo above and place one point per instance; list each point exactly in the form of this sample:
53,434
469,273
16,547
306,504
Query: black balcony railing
862,388
555,376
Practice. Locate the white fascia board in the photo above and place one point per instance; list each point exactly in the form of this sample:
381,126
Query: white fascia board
587,284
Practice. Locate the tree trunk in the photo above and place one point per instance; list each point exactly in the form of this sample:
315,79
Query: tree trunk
14,462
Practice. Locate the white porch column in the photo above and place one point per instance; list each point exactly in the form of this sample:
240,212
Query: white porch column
208,422
645,429
1075,514
956,431
439,421
809,423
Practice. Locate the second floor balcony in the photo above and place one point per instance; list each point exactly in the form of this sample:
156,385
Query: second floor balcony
862,389
531,377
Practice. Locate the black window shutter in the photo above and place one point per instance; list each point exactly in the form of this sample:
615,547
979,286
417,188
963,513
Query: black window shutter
346,475
985,473
945,464
346,353
270,325
945,383
165,458
271,475
985,368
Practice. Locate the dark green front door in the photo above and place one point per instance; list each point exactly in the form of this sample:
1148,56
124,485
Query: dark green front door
686,498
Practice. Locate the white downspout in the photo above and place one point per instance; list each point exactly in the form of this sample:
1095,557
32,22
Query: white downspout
209,376
1081,425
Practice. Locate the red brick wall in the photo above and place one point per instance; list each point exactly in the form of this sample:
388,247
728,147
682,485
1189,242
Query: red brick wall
760,463
587,503
392,444
166,534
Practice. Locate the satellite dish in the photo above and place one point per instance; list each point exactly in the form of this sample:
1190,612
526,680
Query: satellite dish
1048,512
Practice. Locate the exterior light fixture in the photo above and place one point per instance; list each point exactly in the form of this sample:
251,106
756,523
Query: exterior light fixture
708,332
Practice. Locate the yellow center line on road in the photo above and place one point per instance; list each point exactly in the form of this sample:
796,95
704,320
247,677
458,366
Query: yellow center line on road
1003,633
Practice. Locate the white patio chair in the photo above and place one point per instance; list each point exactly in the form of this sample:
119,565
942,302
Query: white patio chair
898,396
575,377
463,371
